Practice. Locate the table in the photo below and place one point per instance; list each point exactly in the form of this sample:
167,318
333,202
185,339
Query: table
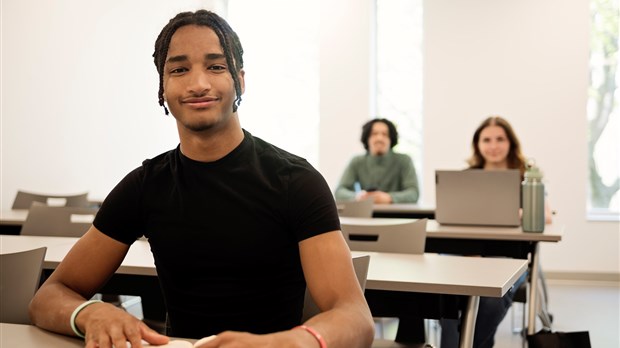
403,210
29,336
432,274
491,241
11,221
441,276
498,241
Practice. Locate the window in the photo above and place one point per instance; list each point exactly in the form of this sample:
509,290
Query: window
603,113
399,72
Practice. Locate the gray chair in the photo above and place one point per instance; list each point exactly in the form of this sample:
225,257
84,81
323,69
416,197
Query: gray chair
405,236
360,264
20,274
356,208
23,200
44,220
386,235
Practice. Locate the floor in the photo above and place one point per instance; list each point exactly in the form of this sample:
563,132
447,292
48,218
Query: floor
575,306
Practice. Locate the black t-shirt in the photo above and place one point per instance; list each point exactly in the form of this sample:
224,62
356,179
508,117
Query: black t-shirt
224,234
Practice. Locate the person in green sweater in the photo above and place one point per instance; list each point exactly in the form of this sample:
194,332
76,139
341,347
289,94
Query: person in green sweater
380,174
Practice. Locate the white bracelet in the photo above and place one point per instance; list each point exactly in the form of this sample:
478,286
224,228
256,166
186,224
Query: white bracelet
76,312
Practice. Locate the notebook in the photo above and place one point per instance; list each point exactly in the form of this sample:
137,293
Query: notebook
478,197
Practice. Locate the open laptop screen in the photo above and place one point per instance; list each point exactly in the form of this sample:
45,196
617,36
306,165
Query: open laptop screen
478,197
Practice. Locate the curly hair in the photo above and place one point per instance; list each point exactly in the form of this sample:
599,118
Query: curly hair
228,40
367,130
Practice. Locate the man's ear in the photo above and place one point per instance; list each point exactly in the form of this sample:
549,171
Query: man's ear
241,76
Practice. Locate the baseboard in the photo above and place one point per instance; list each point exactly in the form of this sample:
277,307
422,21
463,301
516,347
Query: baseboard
584,276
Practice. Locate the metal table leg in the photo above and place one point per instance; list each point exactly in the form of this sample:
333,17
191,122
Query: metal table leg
532,308
468,322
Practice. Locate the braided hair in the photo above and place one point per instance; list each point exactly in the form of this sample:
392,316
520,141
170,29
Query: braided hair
228,40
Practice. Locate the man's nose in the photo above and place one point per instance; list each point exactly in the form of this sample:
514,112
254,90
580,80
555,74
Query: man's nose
199,82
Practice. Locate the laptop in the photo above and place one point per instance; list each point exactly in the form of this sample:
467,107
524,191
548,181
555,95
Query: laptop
478,197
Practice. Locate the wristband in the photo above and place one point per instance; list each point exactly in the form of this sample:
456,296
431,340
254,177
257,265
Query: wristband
79,308
314,333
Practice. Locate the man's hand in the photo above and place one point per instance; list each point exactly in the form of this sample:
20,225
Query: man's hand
378,197
106,326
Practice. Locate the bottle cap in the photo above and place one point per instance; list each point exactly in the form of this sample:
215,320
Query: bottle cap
532,171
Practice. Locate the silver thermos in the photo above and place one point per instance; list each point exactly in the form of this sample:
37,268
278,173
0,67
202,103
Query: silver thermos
533,200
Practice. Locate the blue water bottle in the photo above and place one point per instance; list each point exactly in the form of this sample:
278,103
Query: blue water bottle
533,200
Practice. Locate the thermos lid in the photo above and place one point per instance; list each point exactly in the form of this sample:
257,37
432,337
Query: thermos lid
532,171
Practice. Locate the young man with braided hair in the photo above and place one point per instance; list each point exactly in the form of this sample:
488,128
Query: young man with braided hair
238,228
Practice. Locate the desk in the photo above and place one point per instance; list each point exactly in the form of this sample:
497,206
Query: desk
11,221
490,241
432,274
498,241
443,276
29,336
136,276
403,210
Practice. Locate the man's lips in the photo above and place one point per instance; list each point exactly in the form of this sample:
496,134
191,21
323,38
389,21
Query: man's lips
200,103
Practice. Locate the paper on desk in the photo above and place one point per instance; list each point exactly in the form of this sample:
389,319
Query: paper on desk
180,343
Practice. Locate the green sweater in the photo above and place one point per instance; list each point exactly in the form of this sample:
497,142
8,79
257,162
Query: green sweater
393,173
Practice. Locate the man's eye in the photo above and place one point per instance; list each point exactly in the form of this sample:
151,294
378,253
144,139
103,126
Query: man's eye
178,70
217,68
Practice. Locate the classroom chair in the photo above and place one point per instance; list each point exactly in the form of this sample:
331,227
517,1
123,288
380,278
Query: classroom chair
405,236
19,280
356,208
393,236
360,264
24,199
44,220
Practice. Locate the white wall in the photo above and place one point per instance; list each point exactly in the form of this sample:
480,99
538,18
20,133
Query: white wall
79,97
526,60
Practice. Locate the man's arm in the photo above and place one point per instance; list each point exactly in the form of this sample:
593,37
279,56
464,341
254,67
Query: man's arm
346,320
85,269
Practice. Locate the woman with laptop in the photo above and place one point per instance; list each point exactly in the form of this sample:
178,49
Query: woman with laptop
495,147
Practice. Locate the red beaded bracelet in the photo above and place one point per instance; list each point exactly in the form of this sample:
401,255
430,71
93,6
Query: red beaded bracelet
314,333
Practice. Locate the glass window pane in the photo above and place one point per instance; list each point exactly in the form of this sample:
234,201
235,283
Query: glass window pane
399,72
603,111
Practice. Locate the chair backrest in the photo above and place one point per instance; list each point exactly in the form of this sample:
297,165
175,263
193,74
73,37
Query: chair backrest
360,264
361,208
23,200
20,274
43,220
406,236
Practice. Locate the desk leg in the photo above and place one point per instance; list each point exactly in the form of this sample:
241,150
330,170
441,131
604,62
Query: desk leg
468,322
532,309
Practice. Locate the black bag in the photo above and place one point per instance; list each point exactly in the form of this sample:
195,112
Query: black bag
548,339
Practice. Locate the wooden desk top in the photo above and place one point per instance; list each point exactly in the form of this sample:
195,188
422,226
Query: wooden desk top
139,259
434,229
430,273
442,274
403,208
552,233
29,336
14,217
